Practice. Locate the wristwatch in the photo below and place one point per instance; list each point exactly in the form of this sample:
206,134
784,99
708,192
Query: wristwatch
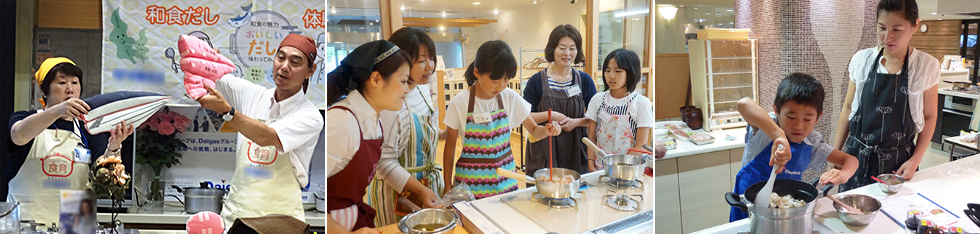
228,116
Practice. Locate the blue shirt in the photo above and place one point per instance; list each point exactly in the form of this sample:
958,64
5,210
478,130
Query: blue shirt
756,141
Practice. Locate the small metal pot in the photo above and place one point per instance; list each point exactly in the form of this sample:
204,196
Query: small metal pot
623,166
548,189
204,198
9,216
437,220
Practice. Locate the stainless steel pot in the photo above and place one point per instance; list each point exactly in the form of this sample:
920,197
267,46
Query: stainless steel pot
203,198
428,221
548,189
624,166
780,220
9,216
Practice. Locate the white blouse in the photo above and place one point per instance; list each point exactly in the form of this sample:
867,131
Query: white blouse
398,126
344,137
923,74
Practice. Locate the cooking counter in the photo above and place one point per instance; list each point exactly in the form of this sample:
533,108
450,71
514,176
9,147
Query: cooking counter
175,215
592,210
687,148
937,183
971,95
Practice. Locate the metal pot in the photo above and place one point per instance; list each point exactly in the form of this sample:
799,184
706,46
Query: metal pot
623,166
960,85
9,216
320,201
437,220
780,220
204,198
548,189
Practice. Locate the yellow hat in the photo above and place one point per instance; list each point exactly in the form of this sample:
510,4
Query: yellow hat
45,68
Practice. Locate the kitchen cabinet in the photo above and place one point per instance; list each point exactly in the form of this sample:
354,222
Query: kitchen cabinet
735,164
689,190
668,203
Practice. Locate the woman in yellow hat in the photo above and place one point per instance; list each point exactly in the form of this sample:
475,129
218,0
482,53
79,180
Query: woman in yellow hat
51,151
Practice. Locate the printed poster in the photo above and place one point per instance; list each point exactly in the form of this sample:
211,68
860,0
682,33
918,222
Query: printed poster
140,40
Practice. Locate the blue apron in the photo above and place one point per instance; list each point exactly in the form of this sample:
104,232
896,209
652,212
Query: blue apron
758,171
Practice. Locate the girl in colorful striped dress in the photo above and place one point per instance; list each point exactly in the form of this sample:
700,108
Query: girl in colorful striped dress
484,115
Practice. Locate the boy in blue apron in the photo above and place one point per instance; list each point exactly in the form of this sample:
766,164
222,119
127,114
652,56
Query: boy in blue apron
798,105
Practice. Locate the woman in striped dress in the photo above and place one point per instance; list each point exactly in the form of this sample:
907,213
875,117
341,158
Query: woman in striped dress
408,155
484,114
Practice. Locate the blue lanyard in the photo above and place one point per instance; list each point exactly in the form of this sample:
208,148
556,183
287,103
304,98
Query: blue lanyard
74,124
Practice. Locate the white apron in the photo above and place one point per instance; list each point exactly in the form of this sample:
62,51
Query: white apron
51,166
615,133
263,184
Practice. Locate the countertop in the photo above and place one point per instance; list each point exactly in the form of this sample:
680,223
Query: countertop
973,95
686,147
934,183
175,215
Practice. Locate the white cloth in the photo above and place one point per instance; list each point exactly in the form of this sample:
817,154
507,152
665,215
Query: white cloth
923,74
398,124
345,136
296,120
50,166
640,109
517,109
260,185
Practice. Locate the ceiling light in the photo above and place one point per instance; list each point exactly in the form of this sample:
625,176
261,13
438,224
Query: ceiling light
534,2
442,28
372,24
377,21
476,3
403,8
729,10
443,14
934,13
619,20
496,12
695,8
707,13
940,19
333,10
719,24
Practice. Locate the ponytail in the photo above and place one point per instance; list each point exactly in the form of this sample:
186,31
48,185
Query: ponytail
469,75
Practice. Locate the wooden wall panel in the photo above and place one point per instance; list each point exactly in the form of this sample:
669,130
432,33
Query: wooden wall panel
78,14
673,74
942,38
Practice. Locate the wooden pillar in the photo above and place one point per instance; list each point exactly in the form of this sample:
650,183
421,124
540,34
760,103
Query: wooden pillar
651,49
592,37
391,16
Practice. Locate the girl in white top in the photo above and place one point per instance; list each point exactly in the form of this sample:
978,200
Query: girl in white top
374,77
891,99
620,119
407,166
483,115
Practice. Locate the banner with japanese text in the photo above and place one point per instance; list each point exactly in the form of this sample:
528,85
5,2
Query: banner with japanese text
139,40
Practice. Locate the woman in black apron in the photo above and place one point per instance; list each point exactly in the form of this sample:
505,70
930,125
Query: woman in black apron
566,92
892,108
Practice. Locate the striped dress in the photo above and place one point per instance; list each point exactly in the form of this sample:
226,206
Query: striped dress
486,147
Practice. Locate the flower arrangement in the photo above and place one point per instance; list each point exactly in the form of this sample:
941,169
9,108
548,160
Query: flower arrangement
110,179
157,144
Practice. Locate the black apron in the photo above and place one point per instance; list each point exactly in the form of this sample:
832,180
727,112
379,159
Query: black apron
882,131
569,152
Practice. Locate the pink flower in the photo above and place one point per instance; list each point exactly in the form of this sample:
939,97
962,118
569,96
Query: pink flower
180,122
166,129
153,122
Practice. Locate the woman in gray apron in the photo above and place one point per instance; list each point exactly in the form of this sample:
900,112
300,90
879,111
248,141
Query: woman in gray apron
891,101
566,92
